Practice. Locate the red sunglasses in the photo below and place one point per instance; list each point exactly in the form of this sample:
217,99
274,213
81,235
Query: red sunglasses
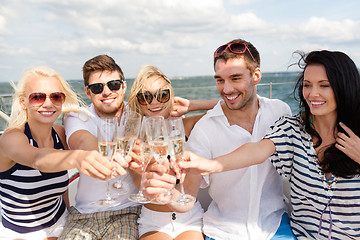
38,99
237,48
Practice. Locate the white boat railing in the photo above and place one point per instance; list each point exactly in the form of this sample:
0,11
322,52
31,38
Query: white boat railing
5,105
4,109
270,84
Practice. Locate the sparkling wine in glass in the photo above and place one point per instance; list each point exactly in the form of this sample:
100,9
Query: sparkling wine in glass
107,136
176,135
146,153
158,142
157,138
127,133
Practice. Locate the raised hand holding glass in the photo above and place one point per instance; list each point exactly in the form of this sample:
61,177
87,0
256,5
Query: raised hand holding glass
106,133
146,153
158,141
176,133
127,133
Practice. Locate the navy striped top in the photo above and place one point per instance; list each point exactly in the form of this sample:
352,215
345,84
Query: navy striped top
32,200
322,208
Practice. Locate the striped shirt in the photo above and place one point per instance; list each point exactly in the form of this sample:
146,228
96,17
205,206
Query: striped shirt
32,200
330,208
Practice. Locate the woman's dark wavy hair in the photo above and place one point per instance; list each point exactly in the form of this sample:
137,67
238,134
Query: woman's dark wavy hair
344,79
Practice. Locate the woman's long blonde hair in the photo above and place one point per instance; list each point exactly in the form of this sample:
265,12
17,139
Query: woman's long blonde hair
144,73
19,115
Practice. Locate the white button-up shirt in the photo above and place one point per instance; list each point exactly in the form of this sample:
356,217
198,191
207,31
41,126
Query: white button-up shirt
247,203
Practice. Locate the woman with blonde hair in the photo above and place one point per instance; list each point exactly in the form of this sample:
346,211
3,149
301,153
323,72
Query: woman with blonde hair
33,176
174,107
152,95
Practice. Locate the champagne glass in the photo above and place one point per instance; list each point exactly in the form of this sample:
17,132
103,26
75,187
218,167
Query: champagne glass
146,153
106,134
176,135
158,141
158,138
127,133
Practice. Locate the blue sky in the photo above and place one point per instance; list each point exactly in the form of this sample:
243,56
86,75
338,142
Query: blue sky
178,36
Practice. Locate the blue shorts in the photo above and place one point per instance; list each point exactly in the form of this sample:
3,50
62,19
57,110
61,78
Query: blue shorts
283,233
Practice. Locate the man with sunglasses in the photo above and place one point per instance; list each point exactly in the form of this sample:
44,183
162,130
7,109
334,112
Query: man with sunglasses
105,86
246,203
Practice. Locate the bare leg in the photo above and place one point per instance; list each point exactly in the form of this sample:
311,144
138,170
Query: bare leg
155,236
193,235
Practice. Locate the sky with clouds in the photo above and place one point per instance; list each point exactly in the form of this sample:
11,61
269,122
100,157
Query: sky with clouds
178,36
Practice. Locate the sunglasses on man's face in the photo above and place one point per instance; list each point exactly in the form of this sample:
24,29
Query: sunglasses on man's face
237,48
38,99
113,85
162,96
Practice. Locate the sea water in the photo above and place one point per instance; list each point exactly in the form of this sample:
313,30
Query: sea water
196,87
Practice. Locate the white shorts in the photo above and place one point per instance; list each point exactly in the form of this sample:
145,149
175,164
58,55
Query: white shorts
172,223
53,231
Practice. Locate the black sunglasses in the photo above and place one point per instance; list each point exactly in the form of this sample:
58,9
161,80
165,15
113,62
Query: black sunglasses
162,96
113,85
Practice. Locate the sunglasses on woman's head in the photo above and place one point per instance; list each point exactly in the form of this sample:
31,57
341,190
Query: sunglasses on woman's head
113,85
162,96
38,99
237,48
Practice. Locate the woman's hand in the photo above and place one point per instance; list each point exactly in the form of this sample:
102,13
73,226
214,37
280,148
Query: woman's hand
137,158
180,107
94,164
349,144
158,180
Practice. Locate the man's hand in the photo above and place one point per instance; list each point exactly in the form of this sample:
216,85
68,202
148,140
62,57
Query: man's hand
121,164
199,165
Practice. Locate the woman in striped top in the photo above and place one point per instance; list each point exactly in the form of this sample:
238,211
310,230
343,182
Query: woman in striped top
318,150
33,176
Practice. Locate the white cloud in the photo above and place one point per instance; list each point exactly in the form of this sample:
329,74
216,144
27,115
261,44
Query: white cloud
6,13
188,41
248,22
3,29
191,4
313,47
164,32
6,49
149,48
241,2
321,29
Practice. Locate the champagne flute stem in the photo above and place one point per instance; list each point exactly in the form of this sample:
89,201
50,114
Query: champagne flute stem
182,188
108,196
182,191
143,177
